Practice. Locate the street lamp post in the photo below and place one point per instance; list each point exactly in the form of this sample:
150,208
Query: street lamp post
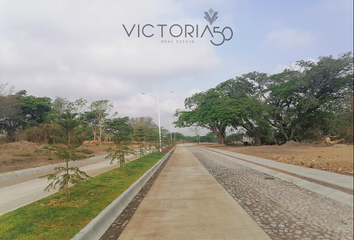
158,111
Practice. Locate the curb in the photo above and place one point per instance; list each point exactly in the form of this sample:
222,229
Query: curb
99,225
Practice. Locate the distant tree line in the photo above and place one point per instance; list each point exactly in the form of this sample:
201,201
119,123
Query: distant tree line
303,103
39,119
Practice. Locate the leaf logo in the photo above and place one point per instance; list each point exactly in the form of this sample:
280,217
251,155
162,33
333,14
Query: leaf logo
210,17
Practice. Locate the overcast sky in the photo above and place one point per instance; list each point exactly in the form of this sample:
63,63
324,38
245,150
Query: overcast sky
80,49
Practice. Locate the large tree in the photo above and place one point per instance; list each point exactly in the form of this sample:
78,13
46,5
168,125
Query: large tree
248,98
313,90
296,104
208,110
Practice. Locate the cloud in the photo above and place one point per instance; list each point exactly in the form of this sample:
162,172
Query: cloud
289,38
136,59
71,48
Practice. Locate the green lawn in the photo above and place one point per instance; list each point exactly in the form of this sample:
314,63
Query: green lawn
53,218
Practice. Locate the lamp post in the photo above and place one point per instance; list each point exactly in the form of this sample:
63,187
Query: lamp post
158,111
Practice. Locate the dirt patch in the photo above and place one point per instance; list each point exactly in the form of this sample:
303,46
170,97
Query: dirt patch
22,155
337,158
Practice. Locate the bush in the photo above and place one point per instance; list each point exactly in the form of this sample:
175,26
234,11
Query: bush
86,151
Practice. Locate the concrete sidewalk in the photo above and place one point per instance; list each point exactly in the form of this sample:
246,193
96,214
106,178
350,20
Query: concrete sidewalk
186,202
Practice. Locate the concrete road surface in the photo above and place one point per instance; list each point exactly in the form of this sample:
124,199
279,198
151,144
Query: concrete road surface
186,202
21,189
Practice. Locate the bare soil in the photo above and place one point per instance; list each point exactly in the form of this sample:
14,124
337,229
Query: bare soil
22,155
335,158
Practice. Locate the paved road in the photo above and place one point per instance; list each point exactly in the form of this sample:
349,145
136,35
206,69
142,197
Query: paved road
23,187
186,202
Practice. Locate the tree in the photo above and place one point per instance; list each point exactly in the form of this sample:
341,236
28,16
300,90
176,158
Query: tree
145,122
78,106
90,120
121,130
299,103
341,125
150,129
248,94
100,111
10,116
10,112
208,110
165,141
41,132
70,135
34,109
139,137
152,139
300,96
4,90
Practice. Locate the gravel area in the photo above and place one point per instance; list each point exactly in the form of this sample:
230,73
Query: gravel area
282,209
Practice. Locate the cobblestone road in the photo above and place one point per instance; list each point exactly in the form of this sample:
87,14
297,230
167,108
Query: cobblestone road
282,209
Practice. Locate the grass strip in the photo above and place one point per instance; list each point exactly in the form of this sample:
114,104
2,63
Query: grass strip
54,218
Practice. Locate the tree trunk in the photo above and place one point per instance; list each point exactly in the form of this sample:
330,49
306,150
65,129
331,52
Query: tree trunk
69,138
222,140
257,139
100,138
220,136
94,132
292,132
251,128
293,126
219,132
284,134
254,131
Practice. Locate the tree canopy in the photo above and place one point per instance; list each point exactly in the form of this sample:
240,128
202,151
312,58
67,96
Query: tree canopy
297,104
